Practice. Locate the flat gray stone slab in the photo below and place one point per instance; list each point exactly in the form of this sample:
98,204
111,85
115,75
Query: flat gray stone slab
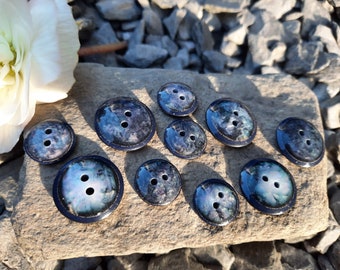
136,227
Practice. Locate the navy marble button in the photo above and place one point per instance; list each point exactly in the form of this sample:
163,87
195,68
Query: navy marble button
88,189
124,123
49,141
185,139
216,202
300,142
268,186
158,182
177,99
231,122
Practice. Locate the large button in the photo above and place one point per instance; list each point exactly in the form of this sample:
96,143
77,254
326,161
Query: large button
300,142
177,99
88,189
185,139
158,182
49,141
216,202
231,122
268,186
124,123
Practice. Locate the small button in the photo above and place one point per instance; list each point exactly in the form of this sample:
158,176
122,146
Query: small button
49,141
88,189
185,139
158,182
268,186
177,99
124,123
216,202
300,142
231,122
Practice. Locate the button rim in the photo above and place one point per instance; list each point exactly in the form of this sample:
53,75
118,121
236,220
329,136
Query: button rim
57,159
138,189
223,139
57,196
185,113
223,182
118,146
257,205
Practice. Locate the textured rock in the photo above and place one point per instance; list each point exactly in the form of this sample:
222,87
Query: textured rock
325,35
253,256
331,112
333,255
294,258
173,21
123,10
219,6
135,227
276,7
143,55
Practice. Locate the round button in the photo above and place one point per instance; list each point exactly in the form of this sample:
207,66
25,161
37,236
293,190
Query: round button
124,123
300,142
216,202
88,189
49,141
268,186
177,99
231,122
158,182
185,139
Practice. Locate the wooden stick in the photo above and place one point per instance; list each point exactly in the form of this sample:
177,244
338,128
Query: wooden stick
100,49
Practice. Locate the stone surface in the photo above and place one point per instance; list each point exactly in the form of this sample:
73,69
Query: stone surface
135,227
257,255
172,22
293,258
221,6
333,255
276,7
143,55
123,10
325,239
330,112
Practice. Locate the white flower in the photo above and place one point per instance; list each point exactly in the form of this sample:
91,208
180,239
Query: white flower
38,53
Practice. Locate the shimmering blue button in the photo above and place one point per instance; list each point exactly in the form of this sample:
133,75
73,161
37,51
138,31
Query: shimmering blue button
231,122
177,99
268,186
216,202
88,189
300,142
158,182
49,141
185,139
124,123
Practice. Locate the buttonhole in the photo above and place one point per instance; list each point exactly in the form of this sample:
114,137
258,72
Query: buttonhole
128,114
235,113
302,133
165,177
47,143
308,142
89,191
175,91
276,184
265,178
235,123
84,177
192,137
182,133
220,194
153,181
182,97
216,205
124,124
48,131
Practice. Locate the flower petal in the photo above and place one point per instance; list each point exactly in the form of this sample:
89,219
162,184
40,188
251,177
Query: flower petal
46,66
68,43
